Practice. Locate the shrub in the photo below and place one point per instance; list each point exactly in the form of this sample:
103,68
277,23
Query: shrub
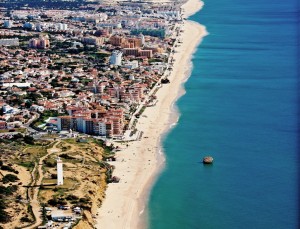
29,140
7,191
17,136
84,200
9,168
25,219
55,202
72,197
66,156
9,178
4,216
50,163
53,176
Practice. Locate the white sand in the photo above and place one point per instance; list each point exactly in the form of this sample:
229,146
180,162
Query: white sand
139,163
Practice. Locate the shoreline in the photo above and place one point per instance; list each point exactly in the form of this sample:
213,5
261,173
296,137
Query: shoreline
139,164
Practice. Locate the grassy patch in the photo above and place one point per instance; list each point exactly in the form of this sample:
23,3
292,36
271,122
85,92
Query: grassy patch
36,151
27,164
20,130
51,184
70,141
50,136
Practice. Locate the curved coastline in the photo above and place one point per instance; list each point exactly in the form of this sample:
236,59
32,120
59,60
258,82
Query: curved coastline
140,164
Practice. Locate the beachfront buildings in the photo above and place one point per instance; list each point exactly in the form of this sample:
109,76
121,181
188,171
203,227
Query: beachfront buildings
97,122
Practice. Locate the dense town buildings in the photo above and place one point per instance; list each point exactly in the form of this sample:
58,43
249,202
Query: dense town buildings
86,70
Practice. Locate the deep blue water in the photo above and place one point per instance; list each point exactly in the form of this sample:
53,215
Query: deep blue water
241,107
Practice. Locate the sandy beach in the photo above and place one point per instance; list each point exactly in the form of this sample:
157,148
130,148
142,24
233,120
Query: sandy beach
139,164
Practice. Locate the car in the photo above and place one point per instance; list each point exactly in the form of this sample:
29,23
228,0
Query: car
63,207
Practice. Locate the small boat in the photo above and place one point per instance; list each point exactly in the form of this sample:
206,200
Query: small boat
208,160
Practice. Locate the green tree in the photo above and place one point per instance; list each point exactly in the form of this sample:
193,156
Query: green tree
29,140
28,103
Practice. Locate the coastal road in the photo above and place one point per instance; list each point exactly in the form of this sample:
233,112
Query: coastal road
165,74
145,100
27,125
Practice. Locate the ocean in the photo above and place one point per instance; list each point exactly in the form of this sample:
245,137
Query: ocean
241,107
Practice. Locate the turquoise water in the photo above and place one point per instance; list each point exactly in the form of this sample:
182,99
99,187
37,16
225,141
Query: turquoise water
240,107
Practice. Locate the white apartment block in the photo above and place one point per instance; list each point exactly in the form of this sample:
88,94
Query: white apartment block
116,58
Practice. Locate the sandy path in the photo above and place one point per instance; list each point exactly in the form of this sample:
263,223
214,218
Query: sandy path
34,199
